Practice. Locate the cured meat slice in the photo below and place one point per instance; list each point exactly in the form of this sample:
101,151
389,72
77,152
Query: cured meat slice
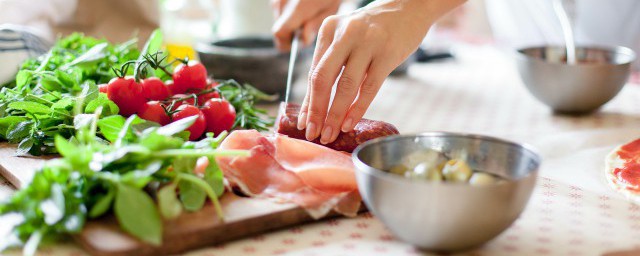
623,170
290,170
363,131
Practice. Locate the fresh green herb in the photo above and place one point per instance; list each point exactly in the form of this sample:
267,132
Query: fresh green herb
243,97
94,178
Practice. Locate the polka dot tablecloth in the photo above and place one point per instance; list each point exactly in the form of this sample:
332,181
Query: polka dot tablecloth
571,212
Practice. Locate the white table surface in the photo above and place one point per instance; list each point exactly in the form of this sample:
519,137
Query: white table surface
572,211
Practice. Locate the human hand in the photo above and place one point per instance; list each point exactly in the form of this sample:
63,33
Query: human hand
305,14
359,50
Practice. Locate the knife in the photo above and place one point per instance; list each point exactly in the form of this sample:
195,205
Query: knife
295,43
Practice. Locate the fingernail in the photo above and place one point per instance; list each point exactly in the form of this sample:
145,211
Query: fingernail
311,131
302,121
326,135
346,126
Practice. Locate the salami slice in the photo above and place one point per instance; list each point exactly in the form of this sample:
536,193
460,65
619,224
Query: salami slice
365,130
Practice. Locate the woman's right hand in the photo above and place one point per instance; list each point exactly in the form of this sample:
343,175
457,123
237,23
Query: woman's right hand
354,53
304,14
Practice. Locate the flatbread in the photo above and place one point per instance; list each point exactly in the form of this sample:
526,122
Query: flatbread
622,170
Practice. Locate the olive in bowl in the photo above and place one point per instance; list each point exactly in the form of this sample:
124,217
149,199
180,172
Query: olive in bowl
449,214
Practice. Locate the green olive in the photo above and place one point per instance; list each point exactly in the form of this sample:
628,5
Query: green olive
482,178
399,169
456,171
424,171
429,156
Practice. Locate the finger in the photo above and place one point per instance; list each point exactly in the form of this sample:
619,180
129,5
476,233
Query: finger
370,86
322,80
277,6
346,92
326,35
294,15
325,38
311,28
302,116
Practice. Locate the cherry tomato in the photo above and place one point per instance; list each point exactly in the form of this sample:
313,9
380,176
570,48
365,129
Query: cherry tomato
103,88
171,86
191,77
189,101
127,94
154,89
154,111
202,98
220,115
197,128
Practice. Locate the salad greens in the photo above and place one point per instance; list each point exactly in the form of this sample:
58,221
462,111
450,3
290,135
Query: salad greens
95,177
40,103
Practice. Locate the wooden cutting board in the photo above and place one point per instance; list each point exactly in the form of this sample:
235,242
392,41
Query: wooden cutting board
243,217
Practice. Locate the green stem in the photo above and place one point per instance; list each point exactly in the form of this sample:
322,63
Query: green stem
199,152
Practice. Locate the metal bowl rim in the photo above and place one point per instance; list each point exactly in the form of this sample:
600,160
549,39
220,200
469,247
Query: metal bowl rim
208,47
363,167
611,49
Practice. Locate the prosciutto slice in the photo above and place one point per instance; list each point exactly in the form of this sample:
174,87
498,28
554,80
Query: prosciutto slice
290,170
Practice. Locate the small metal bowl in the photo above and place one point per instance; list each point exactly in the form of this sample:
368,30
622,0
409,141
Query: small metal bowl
253,60
442,216
579,88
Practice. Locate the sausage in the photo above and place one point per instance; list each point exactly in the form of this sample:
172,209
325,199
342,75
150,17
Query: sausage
363,131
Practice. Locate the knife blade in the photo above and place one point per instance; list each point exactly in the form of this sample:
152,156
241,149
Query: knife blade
295,43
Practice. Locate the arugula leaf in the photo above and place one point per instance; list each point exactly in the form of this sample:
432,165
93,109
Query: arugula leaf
96,53
137,214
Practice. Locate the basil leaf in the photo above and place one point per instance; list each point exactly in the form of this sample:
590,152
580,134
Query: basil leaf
65,103
168,202
110,126
64,147
103,204
214,177
23,78
137,214
108,107
24,146
7,121
31,107
191,195
19,131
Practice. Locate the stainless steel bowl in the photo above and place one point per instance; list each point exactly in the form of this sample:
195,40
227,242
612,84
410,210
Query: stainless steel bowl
446,216
579,88
253,60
